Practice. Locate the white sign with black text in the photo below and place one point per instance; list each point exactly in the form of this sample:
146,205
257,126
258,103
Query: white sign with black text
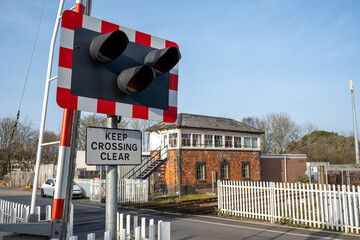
108,146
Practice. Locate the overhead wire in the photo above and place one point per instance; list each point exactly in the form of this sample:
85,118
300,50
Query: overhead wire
27,72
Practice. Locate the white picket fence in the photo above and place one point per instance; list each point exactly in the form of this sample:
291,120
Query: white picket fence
320,206
132,190
135,231
129,190
11,212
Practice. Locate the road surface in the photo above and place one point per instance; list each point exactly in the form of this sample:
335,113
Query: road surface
90,217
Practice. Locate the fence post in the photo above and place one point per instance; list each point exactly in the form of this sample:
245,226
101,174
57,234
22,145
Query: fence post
128,225
48,212
143,227
1,215
159,226
164,233
37,212
272,202
344,195
107,235
123,234
152,231
91,236
137,233
13,215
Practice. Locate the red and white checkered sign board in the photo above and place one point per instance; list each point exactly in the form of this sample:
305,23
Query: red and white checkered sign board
64,98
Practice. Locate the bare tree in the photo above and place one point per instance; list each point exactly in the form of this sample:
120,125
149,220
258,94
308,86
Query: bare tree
94,120
50,152
142,125
279,130
18,148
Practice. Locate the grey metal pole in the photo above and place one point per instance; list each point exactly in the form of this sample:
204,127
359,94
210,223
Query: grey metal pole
111,190
354,120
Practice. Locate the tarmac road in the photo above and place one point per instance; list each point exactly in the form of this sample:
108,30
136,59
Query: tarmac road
90,217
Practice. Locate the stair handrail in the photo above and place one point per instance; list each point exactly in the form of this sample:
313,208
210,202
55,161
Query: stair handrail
158,153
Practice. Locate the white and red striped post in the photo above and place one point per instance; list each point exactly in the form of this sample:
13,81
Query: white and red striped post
64,150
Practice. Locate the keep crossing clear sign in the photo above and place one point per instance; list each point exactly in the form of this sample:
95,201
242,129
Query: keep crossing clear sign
108,146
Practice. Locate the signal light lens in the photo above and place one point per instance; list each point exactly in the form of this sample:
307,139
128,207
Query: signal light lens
107,47
134,80
163,60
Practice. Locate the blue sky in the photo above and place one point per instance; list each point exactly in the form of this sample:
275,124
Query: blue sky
239,58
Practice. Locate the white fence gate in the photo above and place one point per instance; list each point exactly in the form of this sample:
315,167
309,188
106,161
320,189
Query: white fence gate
320,206
132,190
129,190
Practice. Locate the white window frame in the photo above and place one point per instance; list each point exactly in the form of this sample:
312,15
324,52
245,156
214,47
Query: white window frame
221,141
232,141
192,140
189,139
176,139
212,140
241,143
250,143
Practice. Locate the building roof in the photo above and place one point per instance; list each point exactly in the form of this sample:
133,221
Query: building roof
185,120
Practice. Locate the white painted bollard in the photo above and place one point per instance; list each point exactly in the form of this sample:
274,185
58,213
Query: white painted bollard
136,224
152,231
107,235
73,238
91,236
123,234
159,226
48,213
37,211
164,231
143,227
71,221
137,233
128,225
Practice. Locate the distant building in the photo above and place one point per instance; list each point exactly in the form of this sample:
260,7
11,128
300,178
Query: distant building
283,167
200,148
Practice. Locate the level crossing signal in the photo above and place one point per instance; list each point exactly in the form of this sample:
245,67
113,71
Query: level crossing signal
106,68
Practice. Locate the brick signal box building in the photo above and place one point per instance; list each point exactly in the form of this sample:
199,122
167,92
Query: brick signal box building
203,149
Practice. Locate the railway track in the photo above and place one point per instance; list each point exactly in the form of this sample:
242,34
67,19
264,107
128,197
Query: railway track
198,206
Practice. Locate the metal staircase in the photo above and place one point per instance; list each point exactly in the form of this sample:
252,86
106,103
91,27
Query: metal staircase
148,166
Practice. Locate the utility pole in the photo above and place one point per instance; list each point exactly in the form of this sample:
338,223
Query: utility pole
354,120
111,189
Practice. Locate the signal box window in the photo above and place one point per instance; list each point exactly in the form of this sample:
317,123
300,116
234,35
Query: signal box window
209,141
218,141
200,171
196,140
185,139
245,170
173,140
237,142
228,141
254,142
247,142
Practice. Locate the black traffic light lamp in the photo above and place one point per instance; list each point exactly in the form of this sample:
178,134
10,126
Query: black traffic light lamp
109,67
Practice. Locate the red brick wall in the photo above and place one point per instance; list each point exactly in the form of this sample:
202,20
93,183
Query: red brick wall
273,169
212,160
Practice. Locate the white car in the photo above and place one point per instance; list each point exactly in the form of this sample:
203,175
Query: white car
48,188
